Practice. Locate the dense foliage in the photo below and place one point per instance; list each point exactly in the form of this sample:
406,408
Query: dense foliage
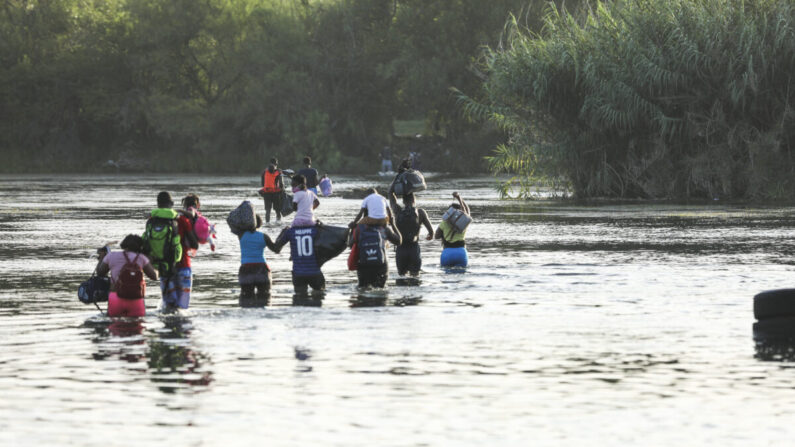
223,85
649,98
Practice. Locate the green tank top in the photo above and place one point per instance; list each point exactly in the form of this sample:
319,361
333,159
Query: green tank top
451,237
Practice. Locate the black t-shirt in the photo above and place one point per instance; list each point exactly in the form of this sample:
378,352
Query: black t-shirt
311,176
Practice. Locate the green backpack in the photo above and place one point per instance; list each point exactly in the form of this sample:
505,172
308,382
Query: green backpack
162,245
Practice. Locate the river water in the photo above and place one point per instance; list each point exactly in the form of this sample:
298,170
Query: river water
598,324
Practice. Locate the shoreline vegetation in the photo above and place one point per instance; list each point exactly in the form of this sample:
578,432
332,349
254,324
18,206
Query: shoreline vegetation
224,85
627,99
652,99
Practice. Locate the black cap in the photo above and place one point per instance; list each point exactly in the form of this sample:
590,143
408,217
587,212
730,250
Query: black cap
164,200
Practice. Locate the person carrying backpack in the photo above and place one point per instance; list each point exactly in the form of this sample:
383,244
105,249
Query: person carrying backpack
127,269
409,220
454,251
163,246
370,241
271,191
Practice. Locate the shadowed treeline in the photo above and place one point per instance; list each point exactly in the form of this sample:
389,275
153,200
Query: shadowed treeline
649,98
222,85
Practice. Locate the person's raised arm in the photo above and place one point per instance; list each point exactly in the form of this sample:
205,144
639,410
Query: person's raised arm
393,203
461,202
427,223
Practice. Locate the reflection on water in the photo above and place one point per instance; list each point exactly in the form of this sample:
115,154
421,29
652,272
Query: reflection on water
171,361
254,301
314,299
574,324
774,339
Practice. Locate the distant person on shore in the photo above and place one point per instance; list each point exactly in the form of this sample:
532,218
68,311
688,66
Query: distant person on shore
370,240
454,252
374,211
310,174
409,219
416,161
127,269
271,191
254,272
386,159
304,202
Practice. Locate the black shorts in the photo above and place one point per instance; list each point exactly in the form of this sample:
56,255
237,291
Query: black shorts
372,276
301,284
273,200
255,273
408,259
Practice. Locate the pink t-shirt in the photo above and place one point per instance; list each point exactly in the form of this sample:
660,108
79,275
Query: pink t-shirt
115,261
305,200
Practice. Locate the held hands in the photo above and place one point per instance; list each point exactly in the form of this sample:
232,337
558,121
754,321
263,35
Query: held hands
429,237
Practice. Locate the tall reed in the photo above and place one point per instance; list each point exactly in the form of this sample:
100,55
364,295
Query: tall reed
648,98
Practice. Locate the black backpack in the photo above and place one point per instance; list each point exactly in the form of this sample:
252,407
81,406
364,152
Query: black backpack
372,251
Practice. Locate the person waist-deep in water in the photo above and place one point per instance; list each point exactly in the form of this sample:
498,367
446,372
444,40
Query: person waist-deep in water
325,185
168,238
409,220
310,174
370,240
304,203
126,261
454,252
254,273
272,189
306,269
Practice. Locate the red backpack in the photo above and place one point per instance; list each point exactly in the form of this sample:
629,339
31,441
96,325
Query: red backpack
131,284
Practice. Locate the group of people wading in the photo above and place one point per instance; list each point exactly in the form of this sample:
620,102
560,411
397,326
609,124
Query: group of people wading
171,238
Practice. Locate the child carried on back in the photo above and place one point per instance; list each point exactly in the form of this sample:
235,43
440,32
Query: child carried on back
374,211
304,203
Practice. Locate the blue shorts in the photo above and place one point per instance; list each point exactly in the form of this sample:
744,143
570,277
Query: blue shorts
454,257
177,291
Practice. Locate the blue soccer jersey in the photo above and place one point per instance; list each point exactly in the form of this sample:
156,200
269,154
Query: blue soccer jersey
302,249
